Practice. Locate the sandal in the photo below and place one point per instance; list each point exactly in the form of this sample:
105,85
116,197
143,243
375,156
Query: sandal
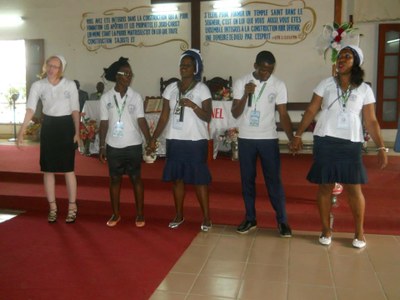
140,222
52,216
113,221
71,217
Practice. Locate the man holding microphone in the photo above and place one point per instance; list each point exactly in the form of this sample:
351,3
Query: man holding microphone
256,95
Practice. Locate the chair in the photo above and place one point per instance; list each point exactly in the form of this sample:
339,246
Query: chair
220,88
165,83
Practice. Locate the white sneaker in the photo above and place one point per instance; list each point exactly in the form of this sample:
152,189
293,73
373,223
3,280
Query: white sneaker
359,244
326,241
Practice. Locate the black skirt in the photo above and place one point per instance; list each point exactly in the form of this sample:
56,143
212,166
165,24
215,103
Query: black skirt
57,147
337,160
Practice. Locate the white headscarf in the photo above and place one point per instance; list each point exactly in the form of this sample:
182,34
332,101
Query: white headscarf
356,50
63,61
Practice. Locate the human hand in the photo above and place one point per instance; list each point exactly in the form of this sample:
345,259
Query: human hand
295,145
187,102
20,140
249,88
382,159
102,155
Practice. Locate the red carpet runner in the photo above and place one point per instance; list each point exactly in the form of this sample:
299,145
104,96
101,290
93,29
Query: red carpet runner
87,260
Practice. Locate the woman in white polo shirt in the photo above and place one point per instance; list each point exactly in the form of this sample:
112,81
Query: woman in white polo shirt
59,135
122,121
345,101
187,110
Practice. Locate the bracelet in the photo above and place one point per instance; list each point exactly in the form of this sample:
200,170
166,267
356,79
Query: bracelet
383,148
297,136
102,147
196,107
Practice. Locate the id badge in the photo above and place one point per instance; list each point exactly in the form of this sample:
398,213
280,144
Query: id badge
176,124
343,121
254,118
118,130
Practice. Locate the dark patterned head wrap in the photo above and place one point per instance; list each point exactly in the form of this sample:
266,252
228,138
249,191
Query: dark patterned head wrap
110,73
199,62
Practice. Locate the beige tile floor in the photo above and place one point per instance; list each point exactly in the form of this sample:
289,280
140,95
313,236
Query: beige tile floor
222,264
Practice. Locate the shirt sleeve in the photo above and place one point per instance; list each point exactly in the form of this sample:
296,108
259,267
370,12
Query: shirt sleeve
34,96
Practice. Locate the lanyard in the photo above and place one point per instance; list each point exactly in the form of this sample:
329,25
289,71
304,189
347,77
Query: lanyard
259,94
187,90
120,111
344,97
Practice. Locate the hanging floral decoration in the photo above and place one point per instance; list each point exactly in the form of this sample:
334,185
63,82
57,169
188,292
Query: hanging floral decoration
334,38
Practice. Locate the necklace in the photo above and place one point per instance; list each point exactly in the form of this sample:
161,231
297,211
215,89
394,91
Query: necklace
343,95
192,83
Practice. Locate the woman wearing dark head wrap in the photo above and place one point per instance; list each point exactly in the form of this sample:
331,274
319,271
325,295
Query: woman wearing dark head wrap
345,101
187,111
122,120
59,135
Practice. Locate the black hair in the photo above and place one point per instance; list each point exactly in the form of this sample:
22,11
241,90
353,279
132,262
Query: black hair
265,56
110,73
357,75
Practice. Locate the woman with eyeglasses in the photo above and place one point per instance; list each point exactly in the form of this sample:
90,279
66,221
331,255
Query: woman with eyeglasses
122,121
187,110
345,101
59,135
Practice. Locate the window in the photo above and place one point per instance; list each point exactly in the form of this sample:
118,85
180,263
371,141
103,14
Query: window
388,85
20,64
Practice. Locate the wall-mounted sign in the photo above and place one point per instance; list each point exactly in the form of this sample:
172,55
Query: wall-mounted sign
257,23
137,27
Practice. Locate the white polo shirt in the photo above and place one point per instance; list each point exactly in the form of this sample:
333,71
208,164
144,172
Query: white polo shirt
192,127
132,110
327,124
58,100
264,101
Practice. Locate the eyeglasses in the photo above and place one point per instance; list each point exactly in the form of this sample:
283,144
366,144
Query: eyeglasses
126,74
53,66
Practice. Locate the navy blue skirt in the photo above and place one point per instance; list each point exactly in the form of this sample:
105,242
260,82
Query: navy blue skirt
187,161
337,160
57,147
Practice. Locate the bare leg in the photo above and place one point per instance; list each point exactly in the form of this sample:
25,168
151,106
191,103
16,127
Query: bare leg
70,180
115,189
202,197
356,202
179,194
324,206
50,189
138,190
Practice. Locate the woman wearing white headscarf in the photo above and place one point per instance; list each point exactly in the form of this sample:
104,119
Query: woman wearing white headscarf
187,110
59,135
345,102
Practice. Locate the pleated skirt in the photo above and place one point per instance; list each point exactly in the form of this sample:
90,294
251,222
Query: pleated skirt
187,161
57,147
337,160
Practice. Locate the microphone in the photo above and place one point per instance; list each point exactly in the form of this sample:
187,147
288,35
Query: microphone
181,114
250,95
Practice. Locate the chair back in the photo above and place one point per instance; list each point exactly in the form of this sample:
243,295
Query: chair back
165,83
220,88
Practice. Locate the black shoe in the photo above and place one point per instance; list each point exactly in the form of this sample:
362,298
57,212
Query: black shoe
284,230
246,226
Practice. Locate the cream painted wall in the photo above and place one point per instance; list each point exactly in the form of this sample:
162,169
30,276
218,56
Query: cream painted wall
58,23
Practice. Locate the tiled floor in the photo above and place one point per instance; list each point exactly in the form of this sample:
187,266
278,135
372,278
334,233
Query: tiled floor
222,264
